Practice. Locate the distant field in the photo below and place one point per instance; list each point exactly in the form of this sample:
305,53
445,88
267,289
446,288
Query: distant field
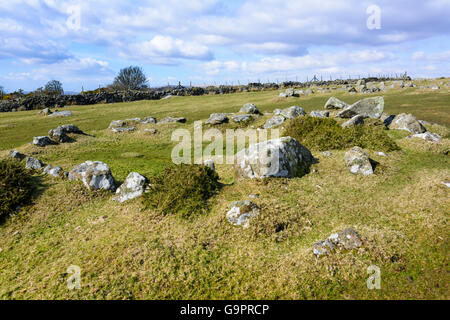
127,252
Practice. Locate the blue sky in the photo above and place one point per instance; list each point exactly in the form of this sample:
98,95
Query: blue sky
85,43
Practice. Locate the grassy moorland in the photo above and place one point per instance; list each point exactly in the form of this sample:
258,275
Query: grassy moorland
127,252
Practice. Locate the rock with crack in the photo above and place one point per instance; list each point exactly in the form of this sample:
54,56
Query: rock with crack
406,122
356,120
275,121
249,108
293,112
319,114
284,157
427,136
35,164
368,108
241,212
347,239
95,175
241,118
358,161
132,187
42,141
172,120
217,118
335,103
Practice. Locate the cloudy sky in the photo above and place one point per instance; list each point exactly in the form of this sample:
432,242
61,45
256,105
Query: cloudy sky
85,43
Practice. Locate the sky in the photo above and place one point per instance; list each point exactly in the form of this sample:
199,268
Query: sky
84,44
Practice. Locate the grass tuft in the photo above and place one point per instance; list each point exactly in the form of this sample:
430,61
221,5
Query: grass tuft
182,189
327,134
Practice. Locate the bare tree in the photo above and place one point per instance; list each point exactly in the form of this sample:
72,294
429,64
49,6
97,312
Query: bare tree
130,78
54,87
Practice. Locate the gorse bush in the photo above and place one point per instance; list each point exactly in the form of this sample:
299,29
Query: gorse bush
15,186
327,134
182,189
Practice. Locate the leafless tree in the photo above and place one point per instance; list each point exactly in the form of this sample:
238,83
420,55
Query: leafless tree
130,78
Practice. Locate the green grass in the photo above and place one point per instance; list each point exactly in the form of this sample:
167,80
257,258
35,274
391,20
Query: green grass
327,134
126,251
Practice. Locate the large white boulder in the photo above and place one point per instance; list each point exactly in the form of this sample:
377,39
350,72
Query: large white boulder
284,157
94,175
407,122
368,108
132,187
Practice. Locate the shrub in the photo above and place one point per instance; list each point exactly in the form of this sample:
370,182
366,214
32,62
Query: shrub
15,186
182,189
327,134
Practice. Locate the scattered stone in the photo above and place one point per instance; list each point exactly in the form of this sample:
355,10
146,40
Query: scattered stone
249,108
277,111
32,163
42,141
406,122
132,187
446,183
319,114
326,153
382,154
45,112
346,239
116,123
53,171
217,118
241,212
274,122
293,112
356,120
254,196
94,175
369,108
167,97
241,118
284,157
172,120
427,136
123,129
335,103
358,161
17,155
387,119
149,120
210,164
434,87
66,113
152,131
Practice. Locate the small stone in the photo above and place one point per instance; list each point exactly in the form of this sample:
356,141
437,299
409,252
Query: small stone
427,136
42,141
32,163
358,161
249,108
17,155
356,120
241,212
66,113
152,131
133,187
123,129
346,239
